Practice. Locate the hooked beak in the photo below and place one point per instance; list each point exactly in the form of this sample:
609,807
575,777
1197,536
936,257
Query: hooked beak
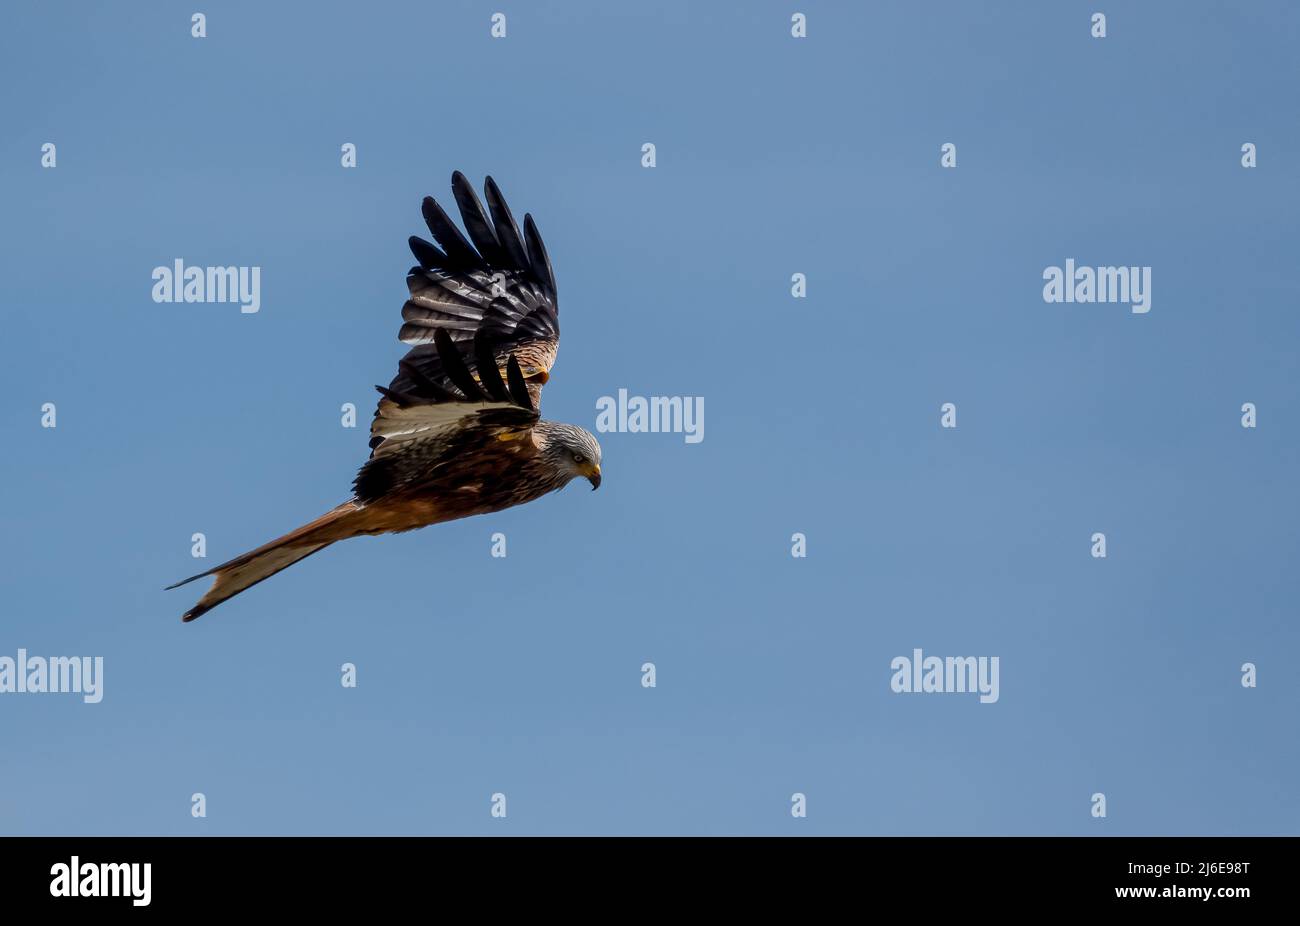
594,478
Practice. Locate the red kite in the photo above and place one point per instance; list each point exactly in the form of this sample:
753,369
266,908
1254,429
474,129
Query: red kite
457,432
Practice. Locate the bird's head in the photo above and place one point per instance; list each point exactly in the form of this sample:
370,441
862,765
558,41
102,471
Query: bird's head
573,451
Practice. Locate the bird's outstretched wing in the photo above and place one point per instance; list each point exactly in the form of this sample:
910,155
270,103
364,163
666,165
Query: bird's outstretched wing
416,433
496,287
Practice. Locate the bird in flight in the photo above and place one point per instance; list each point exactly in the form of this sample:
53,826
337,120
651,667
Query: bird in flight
457,432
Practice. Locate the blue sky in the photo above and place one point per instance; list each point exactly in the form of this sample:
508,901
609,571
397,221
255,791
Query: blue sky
774,156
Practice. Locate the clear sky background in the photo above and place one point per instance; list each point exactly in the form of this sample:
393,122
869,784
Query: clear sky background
775,156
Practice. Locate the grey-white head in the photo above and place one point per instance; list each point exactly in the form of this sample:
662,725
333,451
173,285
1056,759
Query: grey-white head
571,450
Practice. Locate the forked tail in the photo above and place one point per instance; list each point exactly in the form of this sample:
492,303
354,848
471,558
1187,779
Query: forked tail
247,570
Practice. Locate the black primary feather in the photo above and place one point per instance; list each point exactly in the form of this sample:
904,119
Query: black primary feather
454,367
426,254
537,256
444,231
488,374
475,220
512,245
518,388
